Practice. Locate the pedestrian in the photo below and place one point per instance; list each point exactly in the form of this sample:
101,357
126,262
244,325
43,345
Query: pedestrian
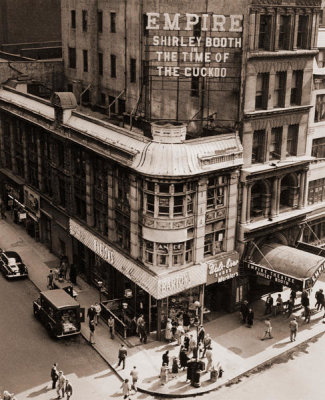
125,389
198,350
7,395
68,389
60,385
174,327
91,313
293,325
111,326
201,334
186,341
168,331
63,268
139,322
186,322
305,301
250,318
209,356
319,296
183,358
279,305
73,274
98,310
192,343
135,376
307,315
54,374
165,358
268,329
244,311
143,332
293,296
206,343
290,306
50,280
179,333
174,367
164,374
268,304
91,331
122,353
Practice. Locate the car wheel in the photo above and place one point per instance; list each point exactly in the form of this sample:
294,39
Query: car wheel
36,315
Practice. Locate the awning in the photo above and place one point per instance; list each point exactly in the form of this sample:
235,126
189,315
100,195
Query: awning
286,265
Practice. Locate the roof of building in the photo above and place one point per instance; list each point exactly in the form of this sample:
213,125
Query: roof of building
59,298
172,156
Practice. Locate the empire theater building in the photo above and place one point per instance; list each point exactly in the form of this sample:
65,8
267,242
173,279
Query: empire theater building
150,221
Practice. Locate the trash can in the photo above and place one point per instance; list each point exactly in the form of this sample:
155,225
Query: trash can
196,382
214,375
191,368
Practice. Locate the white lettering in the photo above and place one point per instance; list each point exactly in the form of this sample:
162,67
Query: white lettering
218,23
169,25
152,20
236,23
191,20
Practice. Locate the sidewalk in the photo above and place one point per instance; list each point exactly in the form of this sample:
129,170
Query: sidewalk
238,348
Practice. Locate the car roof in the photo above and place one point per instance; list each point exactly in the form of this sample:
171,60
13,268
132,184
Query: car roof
59,298
12,254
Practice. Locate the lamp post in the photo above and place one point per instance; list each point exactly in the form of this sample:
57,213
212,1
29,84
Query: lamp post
100,285
197,324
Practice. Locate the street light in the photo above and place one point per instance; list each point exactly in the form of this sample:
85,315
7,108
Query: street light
197,306
100,285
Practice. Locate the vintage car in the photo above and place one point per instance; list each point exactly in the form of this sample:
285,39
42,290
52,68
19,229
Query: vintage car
59,313
11,265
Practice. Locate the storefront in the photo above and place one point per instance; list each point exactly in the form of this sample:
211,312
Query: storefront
32,207
134,290
220,287
12,193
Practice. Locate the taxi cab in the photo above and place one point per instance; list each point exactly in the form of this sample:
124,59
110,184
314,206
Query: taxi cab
11,265
59,313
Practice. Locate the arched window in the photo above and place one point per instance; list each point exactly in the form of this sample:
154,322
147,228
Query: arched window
289,191
260,200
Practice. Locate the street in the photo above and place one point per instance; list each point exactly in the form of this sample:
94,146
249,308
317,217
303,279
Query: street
27,352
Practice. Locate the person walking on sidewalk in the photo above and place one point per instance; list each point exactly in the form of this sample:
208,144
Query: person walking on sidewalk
305,300
279,305
111,326
183,358
68,389
135,376
268,329
244,311
206,343
165,358
60,385
319,296
168,331
268,304
91,331
307,315
122,353
98,310
50,280
192,344
54,374
250,318
201,334
91,312
179,333
293,325
125,389
209,356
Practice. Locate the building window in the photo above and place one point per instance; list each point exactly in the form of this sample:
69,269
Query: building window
122,191
262,86
214,238
32,161
7,143
315,234
259,144
122,223
133,70
279,89
289,192
296,87
113,66
100,21
72,57
302,36
284,32
113,22
85,60
73,19
79,184
264,36
320,108
84,20
168,254
195,86
100,64
169,200
275,143
19,152
61,190
292,140
216,192
321,58
100,193
316,191
121,106
318,148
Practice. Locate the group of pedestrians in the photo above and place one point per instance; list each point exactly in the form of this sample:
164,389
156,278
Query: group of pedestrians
60,383
247,314
128,387
7,396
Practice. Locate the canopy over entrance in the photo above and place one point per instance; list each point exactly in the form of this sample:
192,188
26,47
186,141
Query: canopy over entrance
286,265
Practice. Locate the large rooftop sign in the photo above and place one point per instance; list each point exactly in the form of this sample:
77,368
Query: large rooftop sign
196,45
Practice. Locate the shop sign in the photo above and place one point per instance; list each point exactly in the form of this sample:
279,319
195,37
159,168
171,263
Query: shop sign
32,201
311,281
22,216
274,276
222,269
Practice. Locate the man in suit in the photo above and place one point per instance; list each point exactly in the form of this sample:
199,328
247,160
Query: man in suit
68,389
54,374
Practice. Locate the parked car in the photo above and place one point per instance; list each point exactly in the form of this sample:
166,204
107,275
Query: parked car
11,265
59,313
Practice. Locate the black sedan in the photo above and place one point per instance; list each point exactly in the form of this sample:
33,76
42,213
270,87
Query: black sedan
11,265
